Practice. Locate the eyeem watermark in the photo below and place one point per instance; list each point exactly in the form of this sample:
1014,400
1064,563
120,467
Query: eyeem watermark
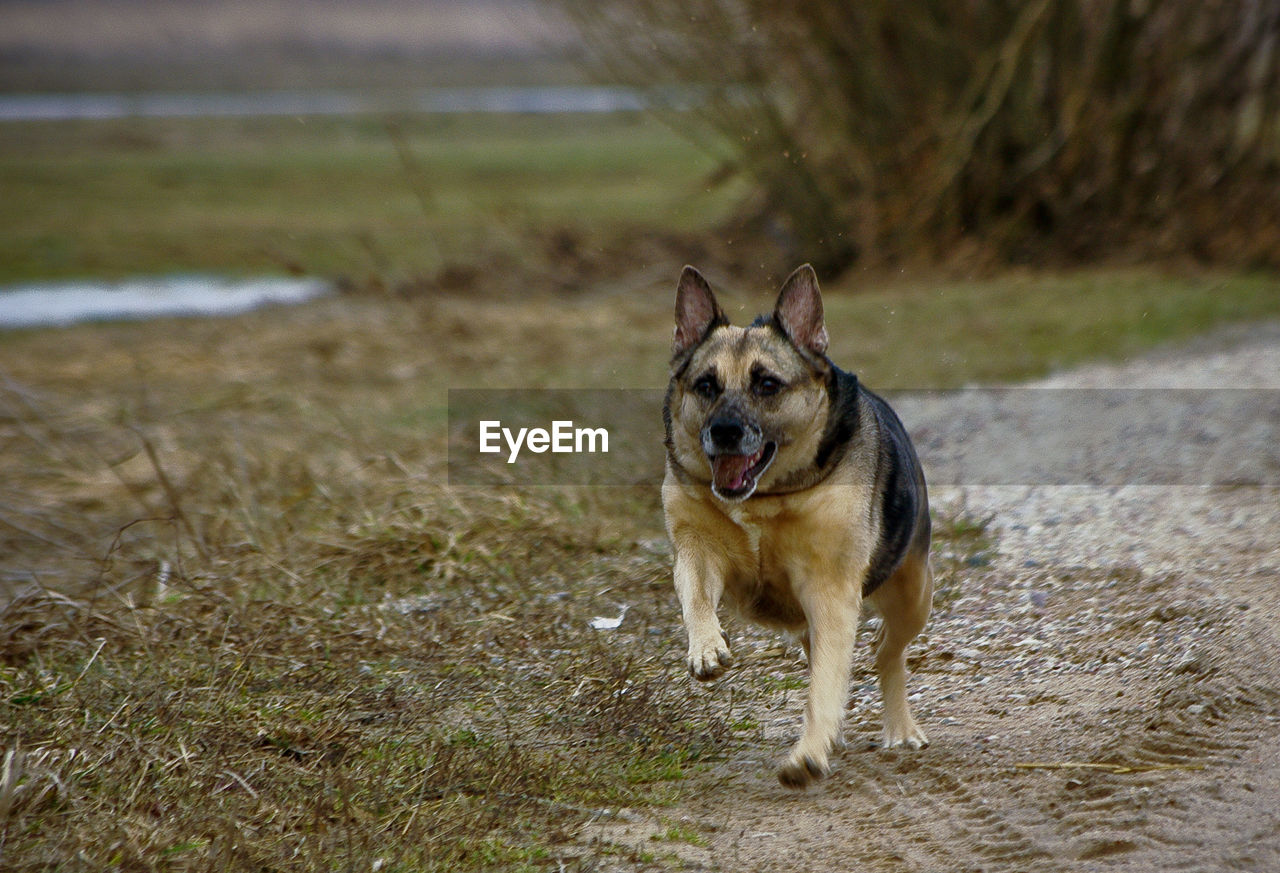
555,437
562,438
967,436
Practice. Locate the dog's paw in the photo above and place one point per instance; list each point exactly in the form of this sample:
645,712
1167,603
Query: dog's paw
710,659
903,736
800,772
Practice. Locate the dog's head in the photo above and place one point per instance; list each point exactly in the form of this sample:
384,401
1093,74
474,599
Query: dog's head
747,407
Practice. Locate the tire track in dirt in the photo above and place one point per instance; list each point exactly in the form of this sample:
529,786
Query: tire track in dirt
1212,723
944,822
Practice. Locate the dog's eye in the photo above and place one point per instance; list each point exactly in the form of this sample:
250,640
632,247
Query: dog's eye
767,386
706,387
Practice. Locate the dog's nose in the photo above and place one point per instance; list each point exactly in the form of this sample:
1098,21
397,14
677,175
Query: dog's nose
726,433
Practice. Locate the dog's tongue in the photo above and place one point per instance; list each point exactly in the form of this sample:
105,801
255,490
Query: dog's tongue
730,471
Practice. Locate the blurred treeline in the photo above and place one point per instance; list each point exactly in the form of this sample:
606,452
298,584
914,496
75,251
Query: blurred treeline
876,131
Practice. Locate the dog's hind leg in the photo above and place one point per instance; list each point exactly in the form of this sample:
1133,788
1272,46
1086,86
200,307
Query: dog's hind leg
904,602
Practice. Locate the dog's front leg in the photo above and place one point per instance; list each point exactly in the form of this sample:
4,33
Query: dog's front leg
699,585
833,624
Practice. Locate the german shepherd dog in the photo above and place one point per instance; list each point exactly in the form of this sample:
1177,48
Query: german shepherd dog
795,491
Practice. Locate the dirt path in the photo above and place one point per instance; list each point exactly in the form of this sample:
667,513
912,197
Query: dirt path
1102,692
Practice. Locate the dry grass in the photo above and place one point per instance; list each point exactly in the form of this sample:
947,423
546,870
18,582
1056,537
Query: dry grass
246,633
418,685
385,696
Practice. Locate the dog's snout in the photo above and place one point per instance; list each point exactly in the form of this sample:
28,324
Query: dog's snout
726,433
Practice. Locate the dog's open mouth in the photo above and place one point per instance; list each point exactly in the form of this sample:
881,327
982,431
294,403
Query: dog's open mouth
734,477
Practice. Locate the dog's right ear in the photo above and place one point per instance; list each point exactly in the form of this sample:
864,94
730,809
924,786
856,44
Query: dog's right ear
696,311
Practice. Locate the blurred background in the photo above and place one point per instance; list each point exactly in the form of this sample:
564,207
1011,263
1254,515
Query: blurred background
419,143
415,146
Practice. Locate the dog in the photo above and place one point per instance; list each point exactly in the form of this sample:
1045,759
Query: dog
795,492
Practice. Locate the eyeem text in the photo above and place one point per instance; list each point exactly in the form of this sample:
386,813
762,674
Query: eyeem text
562,437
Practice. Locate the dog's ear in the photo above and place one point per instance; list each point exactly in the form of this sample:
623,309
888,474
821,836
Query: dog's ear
696,311
799,311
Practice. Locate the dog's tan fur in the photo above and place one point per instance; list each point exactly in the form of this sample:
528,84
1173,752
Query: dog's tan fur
794,553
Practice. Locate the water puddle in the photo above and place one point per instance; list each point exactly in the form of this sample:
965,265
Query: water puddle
49,304
511,100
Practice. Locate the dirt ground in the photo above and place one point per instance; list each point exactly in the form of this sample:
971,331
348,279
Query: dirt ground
1104,694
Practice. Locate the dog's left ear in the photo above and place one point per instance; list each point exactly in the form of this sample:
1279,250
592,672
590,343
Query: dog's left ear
799,311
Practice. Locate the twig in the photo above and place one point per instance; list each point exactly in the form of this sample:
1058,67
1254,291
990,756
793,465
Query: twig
419,182
102,642
175,500
1107,768
996,82
10,776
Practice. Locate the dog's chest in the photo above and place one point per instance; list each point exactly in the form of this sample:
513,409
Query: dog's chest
785,532
751,521
762,584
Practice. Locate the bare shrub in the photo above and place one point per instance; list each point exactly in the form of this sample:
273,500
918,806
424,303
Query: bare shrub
1056,129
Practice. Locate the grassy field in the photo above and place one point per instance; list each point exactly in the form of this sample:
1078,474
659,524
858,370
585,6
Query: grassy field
249,624
350,197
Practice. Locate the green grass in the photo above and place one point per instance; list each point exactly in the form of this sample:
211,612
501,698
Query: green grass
679,834
784,683
962,546
1013,327
354,197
